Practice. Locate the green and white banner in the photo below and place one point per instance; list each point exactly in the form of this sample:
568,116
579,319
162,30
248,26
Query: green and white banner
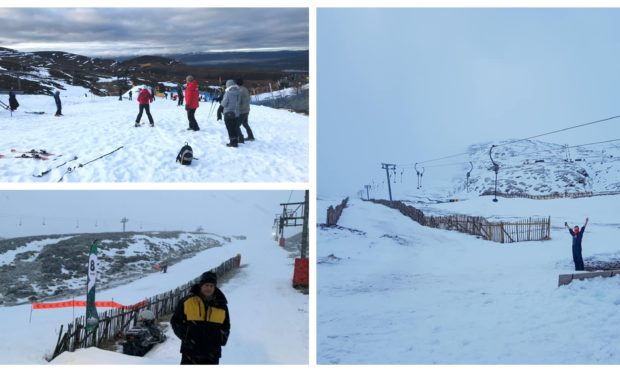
92,318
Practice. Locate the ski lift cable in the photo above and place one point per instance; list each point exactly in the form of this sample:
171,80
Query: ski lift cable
446,164
442,158
570,147
561,130
524,139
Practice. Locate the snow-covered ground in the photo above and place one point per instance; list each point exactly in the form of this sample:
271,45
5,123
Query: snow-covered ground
390,291
278,94
269,319
93,126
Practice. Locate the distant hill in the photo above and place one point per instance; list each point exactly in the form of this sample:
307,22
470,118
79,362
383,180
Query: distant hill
44,72
46,267
261,61
538,168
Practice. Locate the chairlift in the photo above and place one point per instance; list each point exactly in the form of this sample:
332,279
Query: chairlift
419,175
469,174
496,170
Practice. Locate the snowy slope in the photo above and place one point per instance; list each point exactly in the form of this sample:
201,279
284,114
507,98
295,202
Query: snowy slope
393,292
268,329
93,126
532,167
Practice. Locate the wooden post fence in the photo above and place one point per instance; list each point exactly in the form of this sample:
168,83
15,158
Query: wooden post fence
501,232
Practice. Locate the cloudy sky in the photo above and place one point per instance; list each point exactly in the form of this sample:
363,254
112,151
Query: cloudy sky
34,212
409,85
137,31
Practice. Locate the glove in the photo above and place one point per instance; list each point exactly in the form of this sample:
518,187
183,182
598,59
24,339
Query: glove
224,337
186,108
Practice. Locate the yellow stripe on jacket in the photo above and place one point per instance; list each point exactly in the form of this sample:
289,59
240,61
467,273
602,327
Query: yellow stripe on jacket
194,310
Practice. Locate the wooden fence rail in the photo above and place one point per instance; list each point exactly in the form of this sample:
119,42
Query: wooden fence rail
333,214
501,232
113,323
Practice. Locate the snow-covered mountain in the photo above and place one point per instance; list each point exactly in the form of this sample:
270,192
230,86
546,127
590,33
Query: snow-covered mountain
43,267
43,72
537,168
527,166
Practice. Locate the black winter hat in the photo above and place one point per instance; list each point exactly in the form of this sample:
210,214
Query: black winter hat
208,277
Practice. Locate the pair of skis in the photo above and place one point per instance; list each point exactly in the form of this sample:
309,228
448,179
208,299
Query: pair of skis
30,154
71,169
44,155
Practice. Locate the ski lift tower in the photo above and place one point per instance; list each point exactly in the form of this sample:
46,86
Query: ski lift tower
297,217
124,221
293,216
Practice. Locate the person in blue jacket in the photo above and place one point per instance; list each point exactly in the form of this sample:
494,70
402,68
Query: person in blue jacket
577,235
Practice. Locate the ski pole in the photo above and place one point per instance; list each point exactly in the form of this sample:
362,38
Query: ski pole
51,168
70,169
210,109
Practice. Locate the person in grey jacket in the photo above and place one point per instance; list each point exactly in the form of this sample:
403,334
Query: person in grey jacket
244,112
230,105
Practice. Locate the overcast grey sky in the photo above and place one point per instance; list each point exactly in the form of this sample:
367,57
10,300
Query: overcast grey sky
34,212
408,85
138,31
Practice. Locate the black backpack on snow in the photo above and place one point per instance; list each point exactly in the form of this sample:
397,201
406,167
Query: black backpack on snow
185,155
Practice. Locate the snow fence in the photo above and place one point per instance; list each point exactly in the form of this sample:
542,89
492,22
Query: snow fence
531,229
333,214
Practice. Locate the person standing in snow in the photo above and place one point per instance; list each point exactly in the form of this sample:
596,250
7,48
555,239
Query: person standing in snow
191,102
144,100
180,94
230,105
218,99
577,235
58,103
13,104
244,111
202,322
130,94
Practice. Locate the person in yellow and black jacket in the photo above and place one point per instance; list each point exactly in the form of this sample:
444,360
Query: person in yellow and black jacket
202,322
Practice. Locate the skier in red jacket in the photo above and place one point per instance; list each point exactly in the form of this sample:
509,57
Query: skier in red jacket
192,96
144,100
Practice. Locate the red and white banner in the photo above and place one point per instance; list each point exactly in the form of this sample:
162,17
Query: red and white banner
78,303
